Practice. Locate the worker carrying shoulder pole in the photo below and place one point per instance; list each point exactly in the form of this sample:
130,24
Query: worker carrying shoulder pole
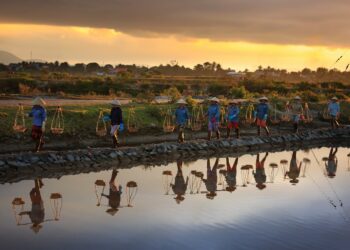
38,114
213,117
181,117
262,111
334,111
232,118
297,111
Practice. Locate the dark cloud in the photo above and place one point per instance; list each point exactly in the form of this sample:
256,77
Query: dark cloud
321,22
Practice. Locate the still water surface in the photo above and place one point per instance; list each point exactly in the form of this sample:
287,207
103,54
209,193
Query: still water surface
296,205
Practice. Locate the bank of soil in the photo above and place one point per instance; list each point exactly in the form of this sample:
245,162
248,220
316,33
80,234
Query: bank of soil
143,137
54,164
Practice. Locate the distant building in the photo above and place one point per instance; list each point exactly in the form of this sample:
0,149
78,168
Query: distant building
235,74
162,99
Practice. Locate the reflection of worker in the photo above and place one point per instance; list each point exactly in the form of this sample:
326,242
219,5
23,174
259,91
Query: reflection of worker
37,214
114,194
230,175
294,169
180,186
259,174
212,179
332,164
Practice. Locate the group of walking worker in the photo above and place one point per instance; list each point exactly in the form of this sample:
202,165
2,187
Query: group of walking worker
182,117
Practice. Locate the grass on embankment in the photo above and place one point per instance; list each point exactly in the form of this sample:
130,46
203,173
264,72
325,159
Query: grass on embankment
80,120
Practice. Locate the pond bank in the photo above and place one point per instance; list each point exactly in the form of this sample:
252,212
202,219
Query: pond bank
54,164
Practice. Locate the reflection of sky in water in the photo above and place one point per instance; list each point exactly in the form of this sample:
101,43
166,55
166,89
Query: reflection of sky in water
282,216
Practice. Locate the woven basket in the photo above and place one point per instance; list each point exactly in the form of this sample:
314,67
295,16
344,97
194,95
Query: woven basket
101,132
19,128
168,129
57,131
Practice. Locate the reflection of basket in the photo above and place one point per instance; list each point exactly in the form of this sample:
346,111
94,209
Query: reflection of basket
167,172
131,184
19,128
55,196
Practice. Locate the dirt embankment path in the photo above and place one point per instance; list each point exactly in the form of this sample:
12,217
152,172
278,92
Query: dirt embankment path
58,101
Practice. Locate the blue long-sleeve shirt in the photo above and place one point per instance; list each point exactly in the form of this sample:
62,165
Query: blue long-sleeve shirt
181,115
116,116
38,114
214,113
233,113
333,108
262,110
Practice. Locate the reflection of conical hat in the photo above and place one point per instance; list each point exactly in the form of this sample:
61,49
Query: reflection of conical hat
210,195
283,161
36,228
112,211
178,199
260,186
39,101
295,181
230,189
181,101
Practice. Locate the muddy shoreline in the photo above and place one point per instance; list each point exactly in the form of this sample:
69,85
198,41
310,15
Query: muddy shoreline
55,164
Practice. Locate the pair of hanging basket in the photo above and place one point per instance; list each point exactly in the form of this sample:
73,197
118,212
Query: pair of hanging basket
197,118
168,124
249,115
101,128
132,121
19,125
57,123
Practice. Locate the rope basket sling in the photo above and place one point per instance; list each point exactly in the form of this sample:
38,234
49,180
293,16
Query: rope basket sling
249,114
168,124
57,123
307,117
325,114
19,124
275,120
197,118
132,123
286,114
101,129
222,117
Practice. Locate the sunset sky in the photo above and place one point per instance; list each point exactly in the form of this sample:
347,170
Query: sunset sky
237,33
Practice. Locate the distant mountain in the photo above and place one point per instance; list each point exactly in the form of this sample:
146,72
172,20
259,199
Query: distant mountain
7,58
